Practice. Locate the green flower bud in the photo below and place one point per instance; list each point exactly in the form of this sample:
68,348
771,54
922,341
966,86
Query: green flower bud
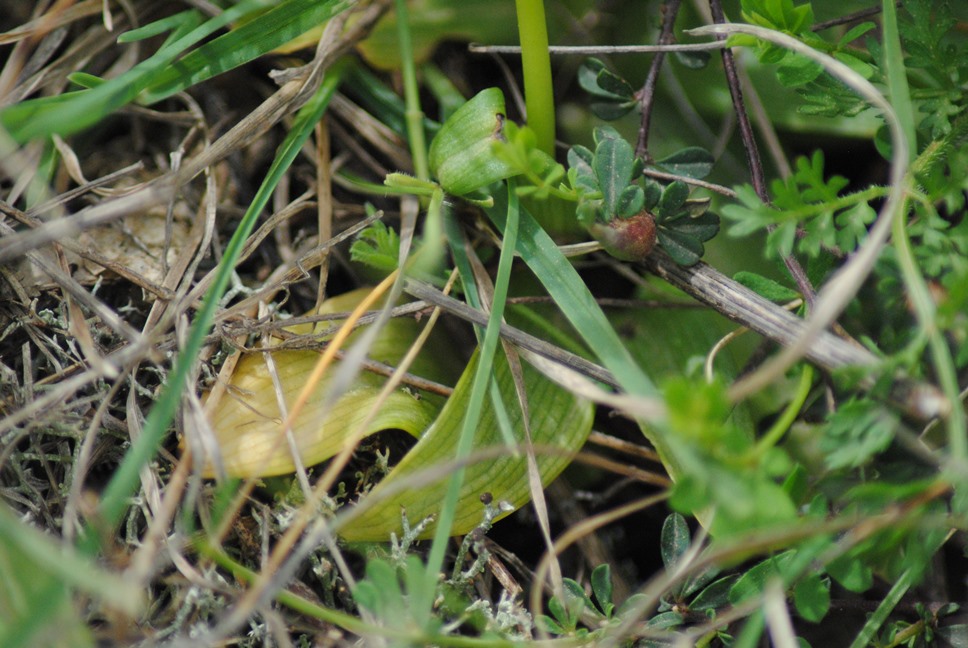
461,156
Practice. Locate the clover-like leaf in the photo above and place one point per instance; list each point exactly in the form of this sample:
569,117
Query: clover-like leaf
684,249
702,227
596,79
673,198
630,202
613,167
692,162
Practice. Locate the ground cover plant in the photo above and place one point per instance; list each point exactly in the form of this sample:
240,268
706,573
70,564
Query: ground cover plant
632,323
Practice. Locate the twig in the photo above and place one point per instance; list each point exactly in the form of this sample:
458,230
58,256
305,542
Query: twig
476,48
752,151
920,401
524,340
647,94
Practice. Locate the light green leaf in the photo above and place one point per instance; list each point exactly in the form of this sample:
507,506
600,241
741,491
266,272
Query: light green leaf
558,419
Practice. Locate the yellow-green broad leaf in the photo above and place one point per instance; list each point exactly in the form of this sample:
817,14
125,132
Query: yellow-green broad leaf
558,420
248,424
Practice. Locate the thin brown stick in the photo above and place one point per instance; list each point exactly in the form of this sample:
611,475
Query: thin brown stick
920,401
647,94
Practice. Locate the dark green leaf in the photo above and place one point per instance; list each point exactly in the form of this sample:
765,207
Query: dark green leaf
811,597
560,613
754,580
715,596
766,287
615,85
852,574
692,162
674,540
673,198
665,620
684,249
588,76
550,625
653,193
702,227
602,588
613,168
611,111
630,202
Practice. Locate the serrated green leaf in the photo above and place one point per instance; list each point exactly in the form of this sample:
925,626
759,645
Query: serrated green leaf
856,432
797,70
377,246
692,162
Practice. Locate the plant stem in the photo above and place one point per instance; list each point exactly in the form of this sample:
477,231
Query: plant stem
411,93
670,10
536,64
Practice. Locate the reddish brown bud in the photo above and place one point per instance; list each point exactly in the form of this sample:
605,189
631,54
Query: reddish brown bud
628,239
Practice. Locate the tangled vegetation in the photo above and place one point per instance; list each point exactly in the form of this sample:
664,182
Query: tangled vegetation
639,323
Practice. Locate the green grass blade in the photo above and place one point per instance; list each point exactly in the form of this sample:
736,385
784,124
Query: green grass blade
482,378
246,43
165,74
567,289
115,498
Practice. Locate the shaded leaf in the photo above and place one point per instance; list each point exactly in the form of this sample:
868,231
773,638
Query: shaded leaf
766,287
602,588
692,162
675,539
684,249
811,597
673,198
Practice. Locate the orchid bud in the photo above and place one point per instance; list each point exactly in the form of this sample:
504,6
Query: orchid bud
461,155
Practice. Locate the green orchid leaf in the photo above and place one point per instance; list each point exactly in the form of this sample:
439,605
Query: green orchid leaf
558,419
461,155
247,421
